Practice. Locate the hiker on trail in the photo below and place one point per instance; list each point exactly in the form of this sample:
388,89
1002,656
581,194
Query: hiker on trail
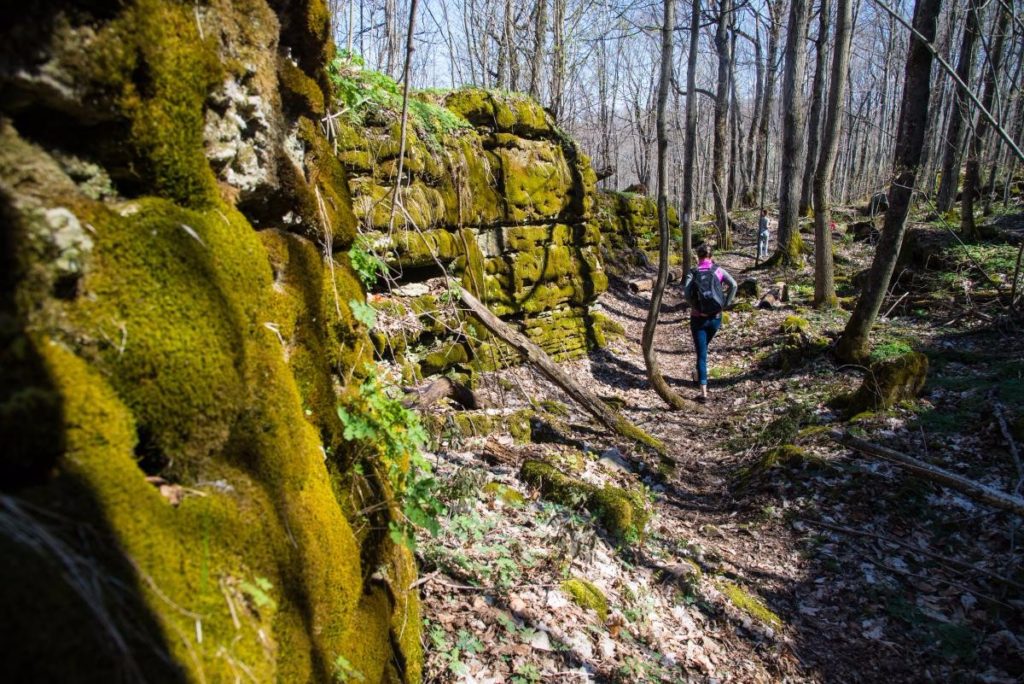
703,288
762,235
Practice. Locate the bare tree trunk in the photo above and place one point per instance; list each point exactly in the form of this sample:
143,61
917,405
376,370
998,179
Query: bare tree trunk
650,327
690,154
718,189
540,28
790,244
853,345
761,161
391,42
735,123
817,98
558,59
751,179
960,111
972,175
824,277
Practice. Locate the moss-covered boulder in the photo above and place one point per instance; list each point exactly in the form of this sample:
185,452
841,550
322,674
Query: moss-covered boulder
889,382
621,511
788,460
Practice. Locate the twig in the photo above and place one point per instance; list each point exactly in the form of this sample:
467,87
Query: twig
926,578
957,564
904,296
997,409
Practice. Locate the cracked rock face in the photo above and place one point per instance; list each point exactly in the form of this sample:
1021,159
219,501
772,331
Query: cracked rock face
239,136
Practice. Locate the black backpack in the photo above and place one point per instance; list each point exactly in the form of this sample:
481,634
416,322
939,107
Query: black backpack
705,291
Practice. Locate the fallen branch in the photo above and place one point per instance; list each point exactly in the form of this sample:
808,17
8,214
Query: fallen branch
945,560
536,356
973,489
422,397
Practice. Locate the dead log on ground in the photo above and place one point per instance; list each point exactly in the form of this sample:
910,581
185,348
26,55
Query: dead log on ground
973,489
422,397
498,453
536,356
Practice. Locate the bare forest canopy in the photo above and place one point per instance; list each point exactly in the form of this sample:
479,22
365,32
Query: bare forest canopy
594,64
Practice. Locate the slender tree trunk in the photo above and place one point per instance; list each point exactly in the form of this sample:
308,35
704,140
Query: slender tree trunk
558,59
735,123
972,175
824,277
790,244
853,344
761,162
720,151
690,154
540,20
953,142
751,179
817,98
651,326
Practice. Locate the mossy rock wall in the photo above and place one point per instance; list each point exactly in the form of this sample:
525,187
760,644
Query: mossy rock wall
504,202
176,497
629,224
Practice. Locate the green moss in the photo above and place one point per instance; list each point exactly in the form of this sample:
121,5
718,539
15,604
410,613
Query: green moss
622,512
889,382
787,457
156,70
750,604
438,362
508,495
795,324
298,89
586,595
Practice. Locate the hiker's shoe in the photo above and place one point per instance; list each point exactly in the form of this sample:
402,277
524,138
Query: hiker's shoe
702,399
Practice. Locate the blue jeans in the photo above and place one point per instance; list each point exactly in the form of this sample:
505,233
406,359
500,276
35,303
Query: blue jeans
762,244
703,330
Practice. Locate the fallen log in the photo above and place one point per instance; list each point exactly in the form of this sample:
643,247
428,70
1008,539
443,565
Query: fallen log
776,297
536,356
422,397
498,453
973,489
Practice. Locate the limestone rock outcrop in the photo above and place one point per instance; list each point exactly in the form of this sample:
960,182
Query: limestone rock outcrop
177,500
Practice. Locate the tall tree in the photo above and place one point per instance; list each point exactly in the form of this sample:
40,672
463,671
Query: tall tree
690,153
824,278
817,99
972,174
540,28
761,159
723,46
790,244
650,358
853,344
557,58
953,142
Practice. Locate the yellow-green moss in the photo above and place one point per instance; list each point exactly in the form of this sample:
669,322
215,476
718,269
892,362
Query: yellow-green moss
786,457
152,64
750,604
439,361
304,92
586,595
505,493
622,512
889,382
795,324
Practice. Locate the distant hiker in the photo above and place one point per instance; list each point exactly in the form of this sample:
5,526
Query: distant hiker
703,288
762,235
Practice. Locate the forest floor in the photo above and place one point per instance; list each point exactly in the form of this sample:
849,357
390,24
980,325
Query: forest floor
826,566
